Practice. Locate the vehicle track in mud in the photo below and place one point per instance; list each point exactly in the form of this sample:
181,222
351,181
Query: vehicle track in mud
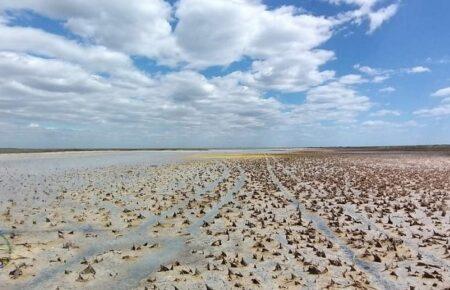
374,272
139,235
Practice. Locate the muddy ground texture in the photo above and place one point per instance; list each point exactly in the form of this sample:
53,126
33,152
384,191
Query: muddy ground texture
312,219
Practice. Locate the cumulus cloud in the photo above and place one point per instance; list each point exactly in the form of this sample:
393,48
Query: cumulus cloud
338,94
335,101
48,90
367,70
387,90
384,112
244,28
234,24
439,111
442,110
380,75
367,9
135,27
36,41
418,69
352,79
292,72
380,79
89,83
378,17
445,92
381,124
377,75
47,74
281,42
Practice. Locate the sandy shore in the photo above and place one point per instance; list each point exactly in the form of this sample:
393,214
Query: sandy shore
221,220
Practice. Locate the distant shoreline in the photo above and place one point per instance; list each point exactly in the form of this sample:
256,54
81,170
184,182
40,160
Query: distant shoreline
440,147
62,150
444,147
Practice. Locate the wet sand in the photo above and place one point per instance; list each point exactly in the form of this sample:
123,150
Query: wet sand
313,219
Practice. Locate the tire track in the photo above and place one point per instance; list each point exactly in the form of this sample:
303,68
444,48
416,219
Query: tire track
366,222
321,225
174,246
138,235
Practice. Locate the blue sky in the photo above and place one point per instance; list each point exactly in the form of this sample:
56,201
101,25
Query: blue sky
197,73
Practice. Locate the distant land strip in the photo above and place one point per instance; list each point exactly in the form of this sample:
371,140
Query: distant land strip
436,147
51,150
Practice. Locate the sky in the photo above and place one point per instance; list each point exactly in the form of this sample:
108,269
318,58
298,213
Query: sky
224,73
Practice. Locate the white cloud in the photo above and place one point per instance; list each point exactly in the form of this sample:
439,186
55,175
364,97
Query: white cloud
378,17
244,28
96,59
39,90
234,23
387,90
418,69
375,123
31,40
442,110
352,79
367,3
90,84
338,94
384,112
291,72
439,111
134,27
380,124
334,101
367,70
281,42
366,10
47,74
378,75
380,79
445,92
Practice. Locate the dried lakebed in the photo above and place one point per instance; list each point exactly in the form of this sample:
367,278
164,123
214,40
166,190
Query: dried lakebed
165,220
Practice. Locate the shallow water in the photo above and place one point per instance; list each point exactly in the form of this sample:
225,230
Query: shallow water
29,173
30,162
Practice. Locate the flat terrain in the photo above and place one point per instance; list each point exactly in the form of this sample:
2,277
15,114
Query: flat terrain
328,218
